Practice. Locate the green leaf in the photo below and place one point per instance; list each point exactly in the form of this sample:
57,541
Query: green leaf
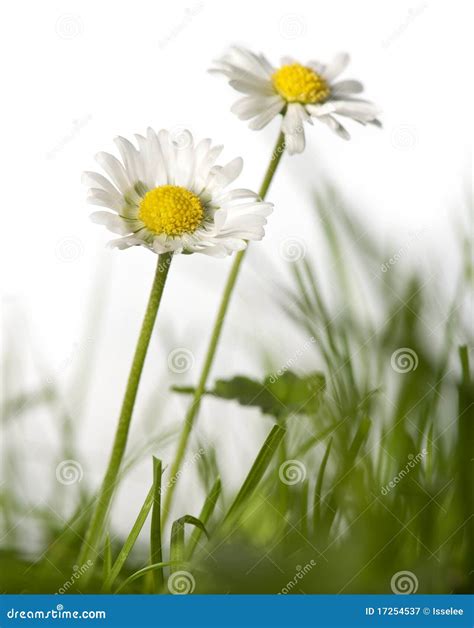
257,471
277,395
177,545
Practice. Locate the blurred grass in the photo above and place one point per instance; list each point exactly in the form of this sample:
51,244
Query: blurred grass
337,524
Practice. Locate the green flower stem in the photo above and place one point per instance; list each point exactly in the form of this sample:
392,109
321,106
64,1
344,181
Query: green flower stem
215,336
104,498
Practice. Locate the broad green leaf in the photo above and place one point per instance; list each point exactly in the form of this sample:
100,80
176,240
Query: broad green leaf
278,394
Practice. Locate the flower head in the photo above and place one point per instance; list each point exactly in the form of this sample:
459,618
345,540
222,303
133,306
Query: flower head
298,92
169,196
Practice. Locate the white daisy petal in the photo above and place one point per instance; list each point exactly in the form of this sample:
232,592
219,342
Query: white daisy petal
360,111
218,250
226,198
115,171
185,160
96,180
220,176
204,165
293,128
336,66
250,106
157,167
287,61
349,86
242,59
113,222
335,126
108,195
267,116
104,199
130,158
248,86
124,243
169,154
317,66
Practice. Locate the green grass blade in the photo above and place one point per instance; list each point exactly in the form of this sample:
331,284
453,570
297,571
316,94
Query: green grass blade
359,439
107,557
143,572
464,476
257,471
156,553
177,545
464,358
348,465
204,516
130,541
314,440
429,454
319,487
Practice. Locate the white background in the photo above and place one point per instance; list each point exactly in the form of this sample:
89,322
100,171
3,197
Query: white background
76,74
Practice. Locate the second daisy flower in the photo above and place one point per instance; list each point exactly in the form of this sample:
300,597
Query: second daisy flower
299,92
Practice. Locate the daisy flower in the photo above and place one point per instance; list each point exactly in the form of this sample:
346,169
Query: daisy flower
169,196
299,92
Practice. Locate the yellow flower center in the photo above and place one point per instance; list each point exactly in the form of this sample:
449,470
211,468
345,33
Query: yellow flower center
171,210
296,83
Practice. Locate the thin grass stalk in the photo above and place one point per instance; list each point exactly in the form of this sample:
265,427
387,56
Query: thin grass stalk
214,341
104,499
